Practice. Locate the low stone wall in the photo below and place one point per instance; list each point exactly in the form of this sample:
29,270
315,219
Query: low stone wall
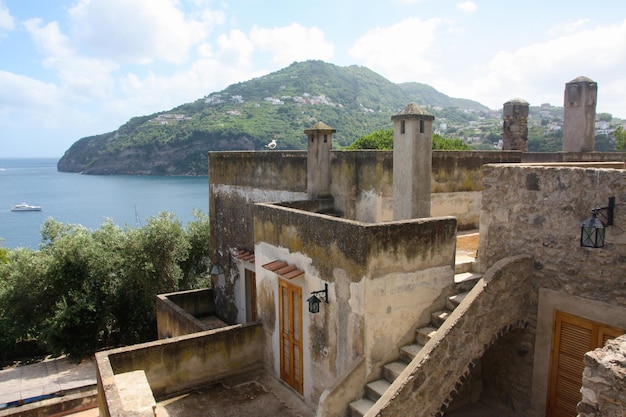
495,306
177,313
604,381
178,364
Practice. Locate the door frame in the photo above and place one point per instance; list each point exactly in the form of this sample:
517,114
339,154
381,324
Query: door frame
291,344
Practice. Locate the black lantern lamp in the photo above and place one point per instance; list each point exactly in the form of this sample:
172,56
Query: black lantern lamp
593,230
314,301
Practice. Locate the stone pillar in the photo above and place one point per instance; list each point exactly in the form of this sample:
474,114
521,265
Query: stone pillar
320,142
581,96
515,125
412,162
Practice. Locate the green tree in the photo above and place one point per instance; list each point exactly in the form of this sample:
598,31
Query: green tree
85,290
620,138
383,140
449,144
380,139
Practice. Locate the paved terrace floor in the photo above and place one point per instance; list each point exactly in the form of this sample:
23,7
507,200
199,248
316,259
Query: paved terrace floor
44,379
259,395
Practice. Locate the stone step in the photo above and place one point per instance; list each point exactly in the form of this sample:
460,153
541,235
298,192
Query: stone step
393,369
463,264
465,281
358,408
374,390
408,352
424,334
438,317
454,300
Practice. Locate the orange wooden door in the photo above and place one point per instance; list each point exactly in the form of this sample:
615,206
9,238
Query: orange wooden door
572,337
290,301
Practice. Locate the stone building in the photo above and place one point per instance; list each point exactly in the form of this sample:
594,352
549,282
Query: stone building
361,311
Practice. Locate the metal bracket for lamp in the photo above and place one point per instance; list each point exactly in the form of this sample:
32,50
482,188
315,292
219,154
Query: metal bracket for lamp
593,230
314,301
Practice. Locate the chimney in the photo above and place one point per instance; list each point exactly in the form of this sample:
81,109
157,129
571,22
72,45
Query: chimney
320,142
515,125
581,96
412,162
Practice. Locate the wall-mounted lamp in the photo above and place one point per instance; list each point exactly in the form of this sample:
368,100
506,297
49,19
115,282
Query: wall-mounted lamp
314,301
592,231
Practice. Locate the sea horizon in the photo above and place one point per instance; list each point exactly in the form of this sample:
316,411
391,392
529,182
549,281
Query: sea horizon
88,200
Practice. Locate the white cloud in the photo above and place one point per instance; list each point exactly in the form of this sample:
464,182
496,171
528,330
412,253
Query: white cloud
292,43
467,6
139,31
405,51
235,49
20,91
82,78
538,72
6,20
568,28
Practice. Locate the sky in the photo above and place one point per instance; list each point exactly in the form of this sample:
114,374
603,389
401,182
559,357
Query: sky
76,68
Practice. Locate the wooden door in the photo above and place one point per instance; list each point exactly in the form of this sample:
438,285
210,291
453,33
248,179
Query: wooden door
251,314
572,337
290,301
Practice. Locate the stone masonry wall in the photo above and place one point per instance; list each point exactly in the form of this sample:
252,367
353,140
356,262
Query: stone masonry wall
604,381
538,210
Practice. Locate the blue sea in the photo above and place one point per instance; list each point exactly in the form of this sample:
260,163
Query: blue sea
88,199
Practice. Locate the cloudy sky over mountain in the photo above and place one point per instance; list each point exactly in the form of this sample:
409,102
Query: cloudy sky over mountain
74,68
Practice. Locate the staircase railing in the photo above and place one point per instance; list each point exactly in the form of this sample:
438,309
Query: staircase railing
495,306
332,402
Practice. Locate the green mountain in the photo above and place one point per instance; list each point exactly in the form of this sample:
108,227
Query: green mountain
247,115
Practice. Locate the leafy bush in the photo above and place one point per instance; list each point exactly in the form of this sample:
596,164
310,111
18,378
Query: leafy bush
85,290
383,140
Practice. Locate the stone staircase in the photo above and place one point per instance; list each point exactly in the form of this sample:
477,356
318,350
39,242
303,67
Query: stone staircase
464,280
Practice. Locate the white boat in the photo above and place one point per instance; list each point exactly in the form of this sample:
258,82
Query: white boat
25,207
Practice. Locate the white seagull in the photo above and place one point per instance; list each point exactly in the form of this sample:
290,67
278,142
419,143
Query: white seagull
271,145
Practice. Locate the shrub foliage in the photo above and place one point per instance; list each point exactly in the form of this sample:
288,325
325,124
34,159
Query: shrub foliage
86,290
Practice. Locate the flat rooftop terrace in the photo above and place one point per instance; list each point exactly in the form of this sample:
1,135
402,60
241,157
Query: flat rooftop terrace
253,395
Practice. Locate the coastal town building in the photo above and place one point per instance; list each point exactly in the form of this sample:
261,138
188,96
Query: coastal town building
340,274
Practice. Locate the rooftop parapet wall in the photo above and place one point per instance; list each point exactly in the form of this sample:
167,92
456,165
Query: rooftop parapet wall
178,313
351,245
284,170
358,170
178,364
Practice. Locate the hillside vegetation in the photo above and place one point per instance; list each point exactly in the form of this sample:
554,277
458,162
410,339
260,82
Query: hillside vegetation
247,115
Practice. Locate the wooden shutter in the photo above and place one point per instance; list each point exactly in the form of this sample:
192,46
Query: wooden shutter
572,337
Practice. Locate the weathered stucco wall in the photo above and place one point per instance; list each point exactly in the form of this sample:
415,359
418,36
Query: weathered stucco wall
383,278
175,365
237,181
538,210
177,313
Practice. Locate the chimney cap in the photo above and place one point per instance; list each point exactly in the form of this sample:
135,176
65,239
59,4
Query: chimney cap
320,127
412,110
518,100
582,79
